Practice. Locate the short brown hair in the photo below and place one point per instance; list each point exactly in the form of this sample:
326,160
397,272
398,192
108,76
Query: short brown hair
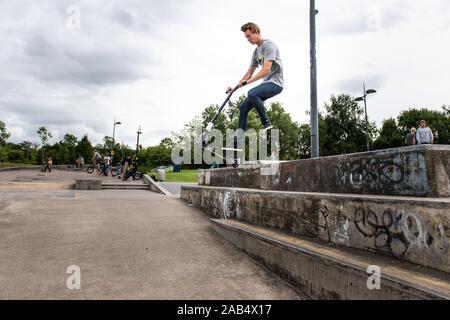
253,27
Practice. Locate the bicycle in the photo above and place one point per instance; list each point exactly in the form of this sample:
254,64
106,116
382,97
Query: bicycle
93,166
129,173
115,170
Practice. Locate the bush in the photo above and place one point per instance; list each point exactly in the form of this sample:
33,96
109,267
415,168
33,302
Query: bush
16,156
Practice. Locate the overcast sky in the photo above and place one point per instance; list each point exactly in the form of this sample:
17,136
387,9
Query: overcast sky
160,63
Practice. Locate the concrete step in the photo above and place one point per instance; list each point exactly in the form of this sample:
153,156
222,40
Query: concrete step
125,186
419,171
324,272
411,229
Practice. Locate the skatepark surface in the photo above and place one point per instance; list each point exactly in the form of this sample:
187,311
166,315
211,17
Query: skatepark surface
128,244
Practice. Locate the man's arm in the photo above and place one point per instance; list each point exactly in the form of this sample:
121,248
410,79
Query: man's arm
246,76
431,136
261,74
418,137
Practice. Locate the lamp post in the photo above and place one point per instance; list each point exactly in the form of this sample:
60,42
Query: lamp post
137,143
313,76
114,132
363,98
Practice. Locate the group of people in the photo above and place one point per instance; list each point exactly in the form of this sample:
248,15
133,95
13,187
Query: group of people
126,167
423,135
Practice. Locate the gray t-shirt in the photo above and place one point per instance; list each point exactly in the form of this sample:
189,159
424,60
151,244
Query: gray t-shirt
268,50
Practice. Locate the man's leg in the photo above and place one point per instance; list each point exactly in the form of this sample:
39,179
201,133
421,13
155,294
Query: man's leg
244,109
261,93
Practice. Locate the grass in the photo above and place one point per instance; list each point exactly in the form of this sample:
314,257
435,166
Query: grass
183,176
10,165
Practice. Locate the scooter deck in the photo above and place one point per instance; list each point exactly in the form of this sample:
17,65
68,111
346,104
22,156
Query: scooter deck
231,161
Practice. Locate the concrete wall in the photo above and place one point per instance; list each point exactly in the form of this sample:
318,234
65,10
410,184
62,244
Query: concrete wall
422,171
88,184
415,230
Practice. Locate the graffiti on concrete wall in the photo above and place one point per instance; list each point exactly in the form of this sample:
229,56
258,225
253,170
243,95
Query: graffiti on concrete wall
227,205
337,231
395,232
382,172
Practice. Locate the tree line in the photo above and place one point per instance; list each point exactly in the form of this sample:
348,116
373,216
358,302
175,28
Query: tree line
70,148
342,130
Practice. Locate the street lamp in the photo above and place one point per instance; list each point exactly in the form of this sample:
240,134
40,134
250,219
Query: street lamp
313,80
363,98
114,132
137,143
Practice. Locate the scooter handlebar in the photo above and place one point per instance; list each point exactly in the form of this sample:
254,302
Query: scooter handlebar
235,88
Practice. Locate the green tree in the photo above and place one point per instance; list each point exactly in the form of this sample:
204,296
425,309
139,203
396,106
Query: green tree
305,137
85,149
156,156
167,143
438,121
16,156
346,128
289,131
71,142
30,151
60,153
390,136
220,123
44,135
4,134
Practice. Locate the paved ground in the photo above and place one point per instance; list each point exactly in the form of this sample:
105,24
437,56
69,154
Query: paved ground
60,176
127,244
175,187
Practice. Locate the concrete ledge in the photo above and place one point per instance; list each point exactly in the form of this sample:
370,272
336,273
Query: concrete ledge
155,186
419,171
35,186
322,272
88,184
411,229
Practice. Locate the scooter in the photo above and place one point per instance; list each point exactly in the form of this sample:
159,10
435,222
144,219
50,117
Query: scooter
204,137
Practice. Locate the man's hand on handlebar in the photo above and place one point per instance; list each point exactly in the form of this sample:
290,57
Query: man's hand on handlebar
240,85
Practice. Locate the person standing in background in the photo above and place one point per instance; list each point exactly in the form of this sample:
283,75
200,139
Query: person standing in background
424,134
410,139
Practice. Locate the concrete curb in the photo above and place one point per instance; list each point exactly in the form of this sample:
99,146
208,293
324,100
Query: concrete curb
155,186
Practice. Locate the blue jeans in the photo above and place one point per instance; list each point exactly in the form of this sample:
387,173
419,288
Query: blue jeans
255,98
